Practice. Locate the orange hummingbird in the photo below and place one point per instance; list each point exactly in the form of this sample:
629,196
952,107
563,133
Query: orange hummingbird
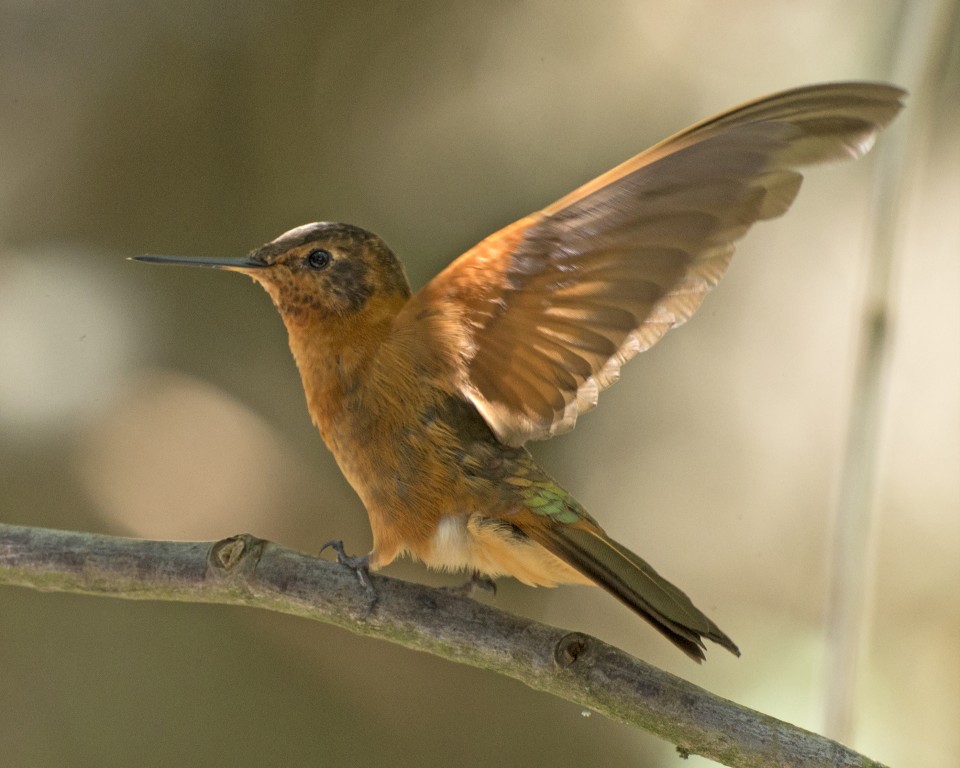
427,399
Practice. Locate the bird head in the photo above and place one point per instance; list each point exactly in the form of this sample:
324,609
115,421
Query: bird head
317,272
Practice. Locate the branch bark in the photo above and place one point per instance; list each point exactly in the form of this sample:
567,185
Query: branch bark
245,570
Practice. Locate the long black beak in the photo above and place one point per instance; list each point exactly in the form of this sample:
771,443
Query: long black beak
243,263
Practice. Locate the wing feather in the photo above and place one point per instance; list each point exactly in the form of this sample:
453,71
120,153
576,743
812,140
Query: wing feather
540,316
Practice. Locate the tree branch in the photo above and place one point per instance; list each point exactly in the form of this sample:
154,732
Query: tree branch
244,570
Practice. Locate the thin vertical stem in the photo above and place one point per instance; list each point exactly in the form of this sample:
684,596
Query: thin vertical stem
852,564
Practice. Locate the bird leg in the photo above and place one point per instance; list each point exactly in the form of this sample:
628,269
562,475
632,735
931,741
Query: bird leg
477,581
359,565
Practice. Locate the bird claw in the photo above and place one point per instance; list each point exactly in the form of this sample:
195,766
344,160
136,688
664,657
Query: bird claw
359,565
477,581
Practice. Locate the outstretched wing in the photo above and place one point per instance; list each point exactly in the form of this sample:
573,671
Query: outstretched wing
541,315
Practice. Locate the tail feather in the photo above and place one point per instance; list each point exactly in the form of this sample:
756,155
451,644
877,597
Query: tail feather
631,580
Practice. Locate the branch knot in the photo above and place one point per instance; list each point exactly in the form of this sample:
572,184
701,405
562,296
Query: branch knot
242,550
571,647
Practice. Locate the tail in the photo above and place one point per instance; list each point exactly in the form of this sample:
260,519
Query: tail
632,581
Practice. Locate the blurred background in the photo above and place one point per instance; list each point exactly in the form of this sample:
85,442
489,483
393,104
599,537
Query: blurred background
163,403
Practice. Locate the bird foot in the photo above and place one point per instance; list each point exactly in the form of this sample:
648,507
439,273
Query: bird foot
359,565
477,581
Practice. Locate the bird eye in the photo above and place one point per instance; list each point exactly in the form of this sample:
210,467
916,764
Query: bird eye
319,258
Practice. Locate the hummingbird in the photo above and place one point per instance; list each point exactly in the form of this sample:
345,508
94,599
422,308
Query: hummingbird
427,399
